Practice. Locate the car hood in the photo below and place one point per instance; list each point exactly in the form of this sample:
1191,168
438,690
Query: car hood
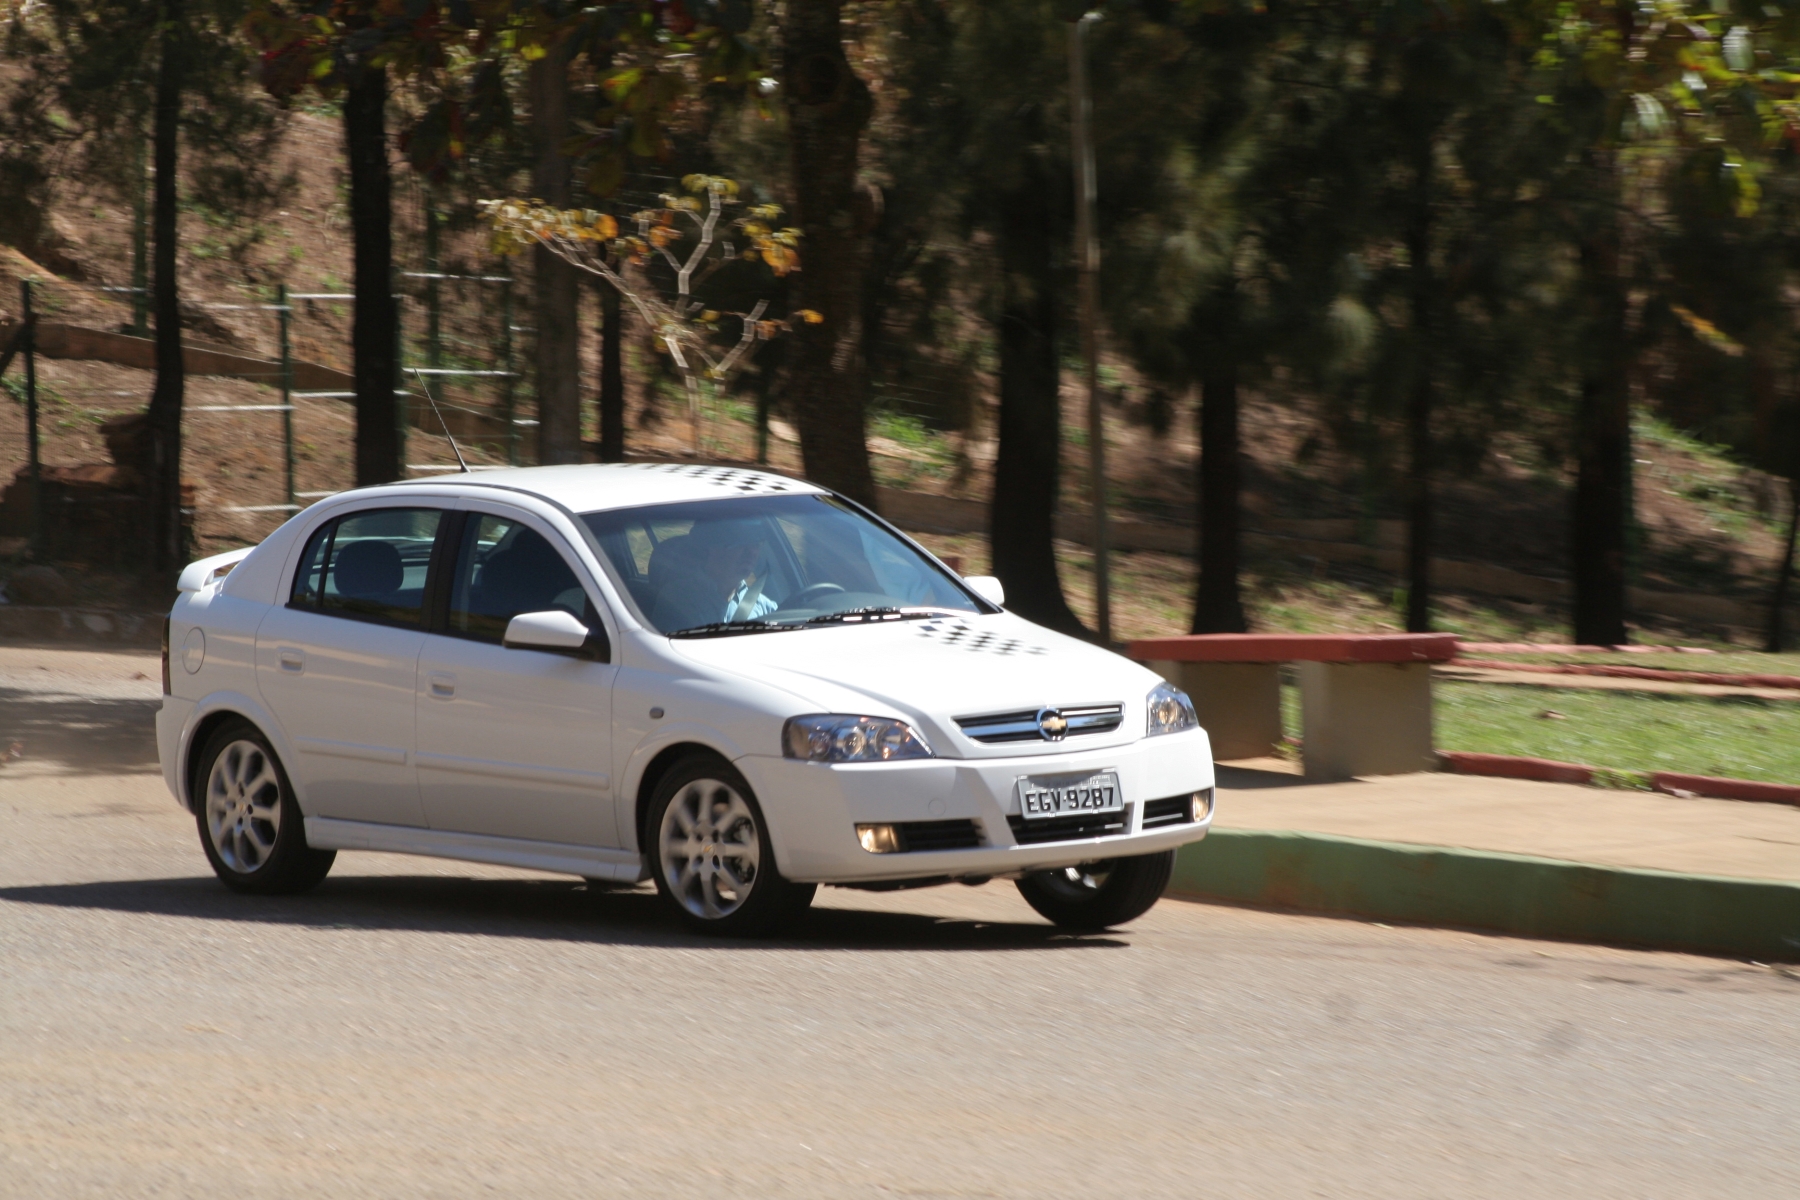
932,672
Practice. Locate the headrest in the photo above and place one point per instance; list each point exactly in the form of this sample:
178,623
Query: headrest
367,569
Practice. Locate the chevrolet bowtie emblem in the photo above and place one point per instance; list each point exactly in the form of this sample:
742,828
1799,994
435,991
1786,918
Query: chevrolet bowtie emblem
1052,724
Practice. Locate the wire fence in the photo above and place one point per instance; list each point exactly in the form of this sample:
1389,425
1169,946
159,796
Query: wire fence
253,398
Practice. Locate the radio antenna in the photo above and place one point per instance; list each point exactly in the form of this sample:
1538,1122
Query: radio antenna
454,448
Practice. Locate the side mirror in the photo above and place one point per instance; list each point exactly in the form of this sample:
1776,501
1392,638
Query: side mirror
556,631
988,588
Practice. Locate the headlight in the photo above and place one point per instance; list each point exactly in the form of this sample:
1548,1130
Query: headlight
1170,710
825,737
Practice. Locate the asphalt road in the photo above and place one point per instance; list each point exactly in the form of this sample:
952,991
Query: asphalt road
417,1028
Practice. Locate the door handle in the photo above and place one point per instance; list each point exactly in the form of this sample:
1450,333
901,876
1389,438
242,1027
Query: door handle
292,659
443,684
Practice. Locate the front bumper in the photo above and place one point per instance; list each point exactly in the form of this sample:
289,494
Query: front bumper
813,809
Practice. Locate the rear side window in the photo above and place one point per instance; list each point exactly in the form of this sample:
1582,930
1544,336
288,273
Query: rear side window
370,566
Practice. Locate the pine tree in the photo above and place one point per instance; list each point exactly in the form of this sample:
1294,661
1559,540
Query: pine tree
95,74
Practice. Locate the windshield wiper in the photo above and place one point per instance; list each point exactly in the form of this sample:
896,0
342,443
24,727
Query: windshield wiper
875,612
728,628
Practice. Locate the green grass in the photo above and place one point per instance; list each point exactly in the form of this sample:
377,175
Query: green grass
1738,738
1625,733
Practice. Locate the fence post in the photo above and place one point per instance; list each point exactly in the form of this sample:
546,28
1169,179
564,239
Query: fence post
287,391
400,396
508,393
434,348
31,422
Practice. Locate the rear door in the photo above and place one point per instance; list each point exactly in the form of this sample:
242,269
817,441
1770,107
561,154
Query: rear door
337,664
512,742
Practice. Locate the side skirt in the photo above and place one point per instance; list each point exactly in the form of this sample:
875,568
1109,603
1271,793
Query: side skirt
591,862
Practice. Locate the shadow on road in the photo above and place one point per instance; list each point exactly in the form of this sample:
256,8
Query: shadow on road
549,910
98,735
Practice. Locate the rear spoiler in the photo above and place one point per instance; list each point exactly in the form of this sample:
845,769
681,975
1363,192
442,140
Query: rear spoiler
197,576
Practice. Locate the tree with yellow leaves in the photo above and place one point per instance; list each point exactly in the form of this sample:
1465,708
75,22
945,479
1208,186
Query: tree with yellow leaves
688,234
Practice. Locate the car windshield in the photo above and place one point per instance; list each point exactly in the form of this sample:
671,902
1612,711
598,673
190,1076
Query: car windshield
755,564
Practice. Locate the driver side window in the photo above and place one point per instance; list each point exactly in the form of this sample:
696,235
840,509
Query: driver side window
504,568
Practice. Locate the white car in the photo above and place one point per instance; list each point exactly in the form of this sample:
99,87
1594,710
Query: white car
737,684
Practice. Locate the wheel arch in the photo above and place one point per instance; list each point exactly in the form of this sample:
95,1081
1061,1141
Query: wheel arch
204,726
208,725
657,767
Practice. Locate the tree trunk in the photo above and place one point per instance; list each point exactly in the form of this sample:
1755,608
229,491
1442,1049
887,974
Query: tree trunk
556,287
1778,602
1602,499
1419,401
1022,527
375,327
1218,607
612,375
163,488
828,107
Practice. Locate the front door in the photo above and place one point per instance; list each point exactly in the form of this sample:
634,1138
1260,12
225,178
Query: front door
514,743
337,663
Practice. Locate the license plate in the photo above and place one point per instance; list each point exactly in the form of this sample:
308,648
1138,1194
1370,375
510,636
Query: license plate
1067,797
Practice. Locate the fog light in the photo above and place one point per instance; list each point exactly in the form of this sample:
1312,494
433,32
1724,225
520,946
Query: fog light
879,839
1201,802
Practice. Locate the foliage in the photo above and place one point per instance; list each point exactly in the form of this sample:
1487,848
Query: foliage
648,59
80,108
668,289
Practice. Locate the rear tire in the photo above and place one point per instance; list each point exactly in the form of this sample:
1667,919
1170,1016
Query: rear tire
1098,895
711,856
251,826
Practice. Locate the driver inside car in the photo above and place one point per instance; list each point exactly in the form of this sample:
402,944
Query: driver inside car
717,571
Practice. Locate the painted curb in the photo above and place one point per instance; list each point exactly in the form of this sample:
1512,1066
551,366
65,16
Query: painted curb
1674,783
1613,671
1514,766
1677,784
1506,893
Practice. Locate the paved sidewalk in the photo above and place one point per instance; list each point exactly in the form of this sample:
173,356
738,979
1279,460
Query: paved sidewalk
1516,816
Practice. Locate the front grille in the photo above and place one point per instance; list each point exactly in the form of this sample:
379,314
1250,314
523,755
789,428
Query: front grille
937,835
1022,726
1176,810
1067,829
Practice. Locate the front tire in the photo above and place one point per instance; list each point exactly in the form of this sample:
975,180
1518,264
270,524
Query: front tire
251,826
711,856
1098,895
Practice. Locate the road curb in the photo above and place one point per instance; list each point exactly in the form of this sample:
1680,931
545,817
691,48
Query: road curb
1677,784
1674,783
1619,671
1515,766
1507,893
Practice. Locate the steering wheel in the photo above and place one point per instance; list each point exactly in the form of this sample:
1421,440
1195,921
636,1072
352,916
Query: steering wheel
805,596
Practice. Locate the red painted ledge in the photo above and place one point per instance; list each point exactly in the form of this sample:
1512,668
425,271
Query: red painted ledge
1611,671
1297,647
1512,766
1676,783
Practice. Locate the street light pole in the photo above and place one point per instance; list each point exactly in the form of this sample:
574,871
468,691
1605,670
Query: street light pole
1087,260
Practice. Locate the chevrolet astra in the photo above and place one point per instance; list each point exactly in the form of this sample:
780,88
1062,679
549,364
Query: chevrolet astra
734,684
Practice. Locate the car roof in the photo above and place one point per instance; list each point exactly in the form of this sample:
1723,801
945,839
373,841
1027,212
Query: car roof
593,487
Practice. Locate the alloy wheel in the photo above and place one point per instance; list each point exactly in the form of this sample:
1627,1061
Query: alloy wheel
710,848
243,805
